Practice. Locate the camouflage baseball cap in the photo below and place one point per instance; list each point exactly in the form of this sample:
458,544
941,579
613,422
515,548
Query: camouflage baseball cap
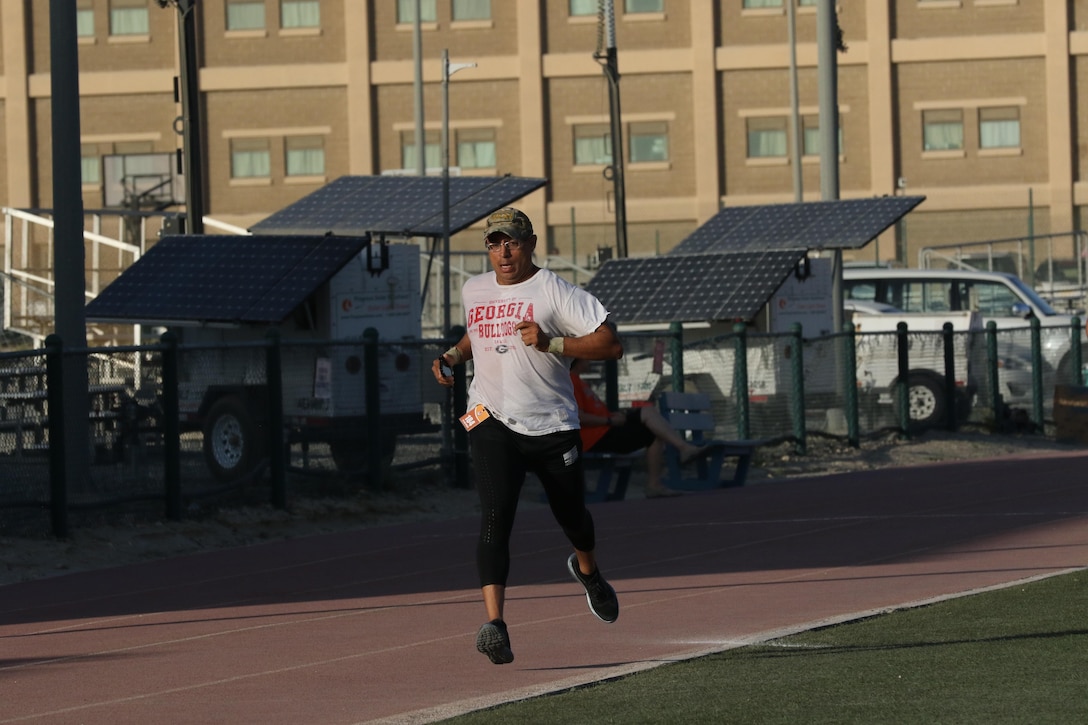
511,222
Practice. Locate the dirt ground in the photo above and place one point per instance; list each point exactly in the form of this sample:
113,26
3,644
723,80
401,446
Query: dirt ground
419,499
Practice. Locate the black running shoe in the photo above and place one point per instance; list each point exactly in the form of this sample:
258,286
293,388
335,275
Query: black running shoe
599,593
494,641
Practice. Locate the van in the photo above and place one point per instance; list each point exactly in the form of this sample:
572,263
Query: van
999,297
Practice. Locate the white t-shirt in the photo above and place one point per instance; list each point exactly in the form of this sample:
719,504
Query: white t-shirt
529,391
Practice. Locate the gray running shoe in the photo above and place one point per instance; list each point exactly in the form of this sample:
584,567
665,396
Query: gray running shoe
599,593
494,641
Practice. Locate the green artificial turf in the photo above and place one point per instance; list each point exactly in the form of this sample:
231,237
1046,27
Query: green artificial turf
1016,655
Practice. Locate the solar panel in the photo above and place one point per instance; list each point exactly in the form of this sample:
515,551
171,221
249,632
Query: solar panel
210,278
840,224
409,206
691,288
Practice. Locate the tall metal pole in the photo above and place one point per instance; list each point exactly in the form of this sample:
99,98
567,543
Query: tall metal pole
612,73
826,49
417,55
68,254
190,111
446,191
448,69
795,114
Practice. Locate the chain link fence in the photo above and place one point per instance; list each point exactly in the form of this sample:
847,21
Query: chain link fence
266,420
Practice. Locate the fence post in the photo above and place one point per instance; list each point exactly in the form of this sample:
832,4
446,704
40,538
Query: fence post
992,373
1036,374
949,339
797,399
58,454
373,407
460,435
676,355
740,378
850,383
277,455
1078,355
902,383
171,426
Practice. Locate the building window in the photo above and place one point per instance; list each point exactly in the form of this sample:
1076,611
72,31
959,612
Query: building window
580,8
476,148
84,20
245,15
90,163
810,136
300,14
305,155
406,11
649,142
806,3
766,138
432,150
643,6
999,128
250,158
749,4
942,130
128,17
592,144
471,10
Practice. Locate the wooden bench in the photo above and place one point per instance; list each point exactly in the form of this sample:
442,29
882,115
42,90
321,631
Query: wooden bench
610,466
690,414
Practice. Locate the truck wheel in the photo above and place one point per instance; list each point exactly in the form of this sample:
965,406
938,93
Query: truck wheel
233,442
350,455
925,401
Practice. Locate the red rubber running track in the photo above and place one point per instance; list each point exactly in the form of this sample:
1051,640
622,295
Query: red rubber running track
380,624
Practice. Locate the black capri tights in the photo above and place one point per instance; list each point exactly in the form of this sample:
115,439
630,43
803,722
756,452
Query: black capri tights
501,459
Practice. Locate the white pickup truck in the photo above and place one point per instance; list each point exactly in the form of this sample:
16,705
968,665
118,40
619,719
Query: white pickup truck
878,359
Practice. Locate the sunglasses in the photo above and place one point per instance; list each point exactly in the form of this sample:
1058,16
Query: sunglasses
511,244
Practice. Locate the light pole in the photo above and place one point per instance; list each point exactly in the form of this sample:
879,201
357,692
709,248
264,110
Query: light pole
448,69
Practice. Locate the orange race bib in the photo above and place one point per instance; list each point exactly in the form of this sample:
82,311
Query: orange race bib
474,417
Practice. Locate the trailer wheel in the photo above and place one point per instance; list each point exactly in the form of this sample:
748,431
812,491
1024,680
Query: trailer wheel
925,401
232,439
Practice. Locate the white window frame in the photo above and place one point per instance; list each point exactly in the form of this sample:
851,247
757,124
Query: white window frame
300,14
476,148
587,137
658,131
129,18
428,11
250,158
241,16
770,132
432,149
470,10
304,156
942,122
1004,132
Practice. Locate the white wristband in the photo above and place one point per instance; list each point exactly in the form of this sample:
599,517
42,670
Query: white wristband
455,355
555,345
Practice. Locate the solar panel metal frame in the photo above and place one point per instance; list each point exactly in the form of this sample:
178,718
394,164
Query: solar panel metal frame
223,279
406,206
837,224
692,288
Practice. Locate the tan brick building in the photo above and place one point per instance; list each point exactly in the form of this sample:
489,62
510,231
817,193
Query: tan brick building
977,104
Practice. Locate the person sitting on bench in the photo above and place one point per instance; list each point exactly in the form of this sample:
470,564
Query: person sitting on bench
626,431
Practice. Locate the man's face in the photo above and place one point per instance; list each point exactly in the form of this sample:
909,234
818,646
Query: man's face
511,265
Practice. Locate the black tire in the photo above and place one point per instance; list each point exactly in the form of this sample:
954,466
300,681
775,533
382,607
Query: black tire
925,401
233,440
350,454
